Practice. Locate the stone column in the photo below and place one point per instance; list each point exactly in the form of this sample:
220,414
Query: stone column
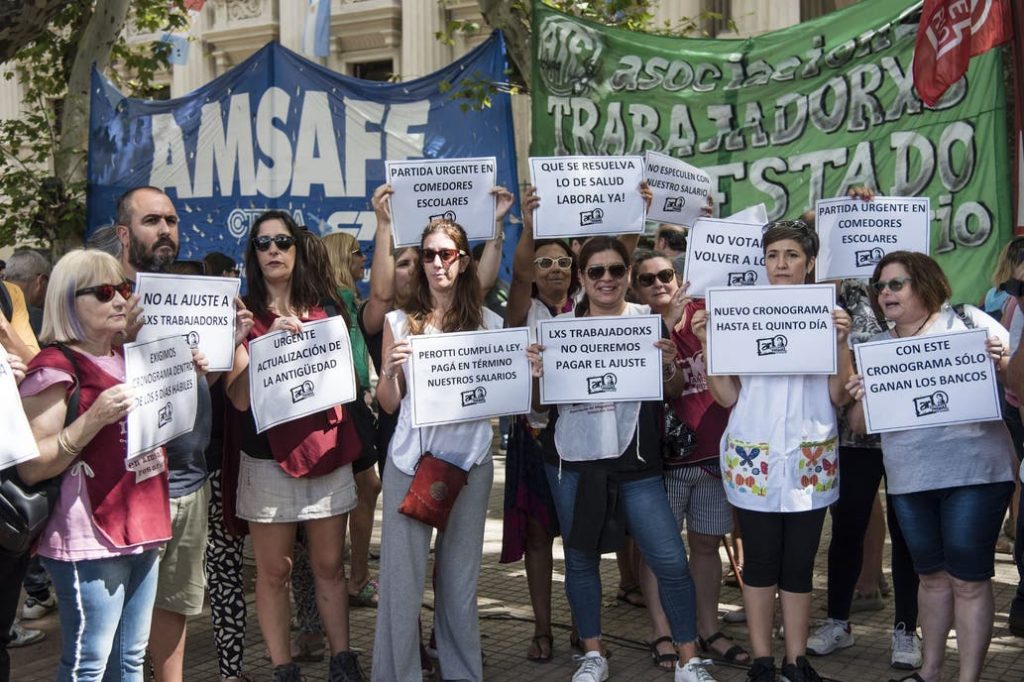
422,53
753,17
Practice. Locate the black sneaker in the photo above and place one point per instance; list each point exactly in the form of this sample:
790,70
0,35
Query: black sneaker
345,668
289,672
762,670
801,671
1016,620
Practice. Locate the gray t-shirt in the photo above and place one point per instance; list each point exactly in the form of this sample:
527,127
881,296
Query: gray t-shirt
186,454
949,456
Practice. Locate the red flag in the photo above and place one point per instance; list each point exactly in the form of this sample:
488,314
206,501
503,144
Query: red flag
194,5
950,33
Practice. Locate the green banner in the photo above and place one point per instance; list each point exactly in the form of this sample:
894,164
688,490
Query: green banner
791,116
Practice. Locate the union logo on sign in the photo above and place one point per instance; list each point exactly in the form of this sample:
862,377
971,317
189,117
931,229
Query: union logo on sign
954,22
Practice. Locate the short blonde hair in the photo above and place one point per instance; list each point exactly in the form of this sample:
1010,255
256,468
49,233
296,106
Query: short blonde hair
340,246
77,269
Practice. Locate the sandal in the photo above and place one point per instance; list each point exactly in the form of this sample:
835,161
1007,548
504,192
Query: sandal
659,659
734,654
535,645
365,597
632,595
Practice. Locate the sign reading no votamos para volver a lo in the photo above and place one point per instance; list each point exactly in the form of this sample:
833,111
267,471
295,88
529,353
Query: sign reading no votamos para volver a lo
202,309
930,380
772,330
600,359
457,190
19,445
581,196
294,375
723,253
855,234
465,376
680,189
163,377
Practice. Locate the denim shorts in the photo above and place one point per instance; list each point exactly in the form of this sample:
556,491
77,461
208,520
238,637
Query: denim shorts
954,529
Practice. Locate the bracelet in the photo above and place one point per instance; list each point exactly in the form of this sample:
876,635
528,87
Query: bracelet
671,375
390,377
64,443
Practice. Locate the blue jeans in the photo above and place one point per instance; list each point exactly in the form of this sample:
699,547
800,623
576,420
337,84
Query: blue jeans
650,521
105,610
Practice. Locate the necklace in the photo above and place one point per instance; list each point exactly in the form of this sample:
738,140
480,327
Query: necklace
898,335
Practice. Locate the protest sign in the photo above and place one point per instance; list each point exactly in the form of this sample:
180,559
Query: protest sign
723,253
581,196
931,380
855,234
457,190
202,309
163,378
600,359
772,330
294,375
680,189
465,376
19,445
752,214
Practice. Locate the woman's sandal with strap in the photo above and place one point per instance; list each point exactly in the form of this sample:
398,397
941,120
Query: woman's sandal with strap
659,659
541,657
731,655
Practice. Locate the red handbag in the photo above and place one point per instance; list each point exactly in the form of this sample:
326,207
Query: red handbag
435,486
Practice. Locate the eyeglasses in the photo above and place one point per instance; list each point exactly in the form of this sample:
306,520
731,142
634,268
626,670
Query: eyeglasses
664,276
596,272
356,253
894,284
104,293
545,263
791,224
448,256
281,241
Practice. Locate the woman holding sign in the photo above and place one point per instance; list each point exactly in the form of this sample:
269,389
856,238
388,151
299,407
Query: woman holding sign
445,297
949,484
780,466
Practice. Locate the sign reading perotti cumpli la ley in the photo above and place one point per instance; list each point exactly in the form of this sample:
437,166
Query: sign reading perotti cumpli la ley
929,380
724,253
456,190
581,196
294,375
772,330
600,359
855,234
465,376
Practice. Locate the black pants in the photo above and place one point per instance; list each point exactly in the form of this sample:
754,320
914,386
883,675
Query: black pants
12,572
779,548
860,472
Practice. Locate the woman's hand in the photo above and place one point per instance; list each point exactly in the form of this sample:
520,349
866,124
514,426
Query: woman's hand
842,322
504,202
201,363
528,205
395,358
648,195
668,353
700,326
996,350
133,318
855,387
17,366
112,405
863,192
534,353
243,321
288,323
677,306
382,203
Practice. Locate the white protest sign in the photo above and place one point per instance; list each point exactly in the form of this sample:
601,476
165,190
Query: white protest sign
294,375
772,330
855,234
928,380
19,445
163,377
458,190
600,359
581,196
680,189
202,309
723,253
465,376
752,214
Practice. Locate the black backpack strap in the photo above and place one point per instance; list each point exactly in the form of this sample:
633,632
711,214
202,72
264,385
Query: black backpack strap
6,304
72,413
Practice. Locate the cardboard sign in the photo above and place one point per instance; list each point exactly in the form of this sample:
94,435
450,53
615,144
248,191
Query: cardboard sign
772,330
581,196
856,234
930,380
600,359
163,377
752,214
723,253
294,375
680,189
18,444
458,190
202,309
465,376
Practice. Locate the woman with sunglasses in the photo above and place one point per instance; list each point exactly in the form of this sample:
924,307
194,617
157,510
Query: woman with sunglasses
585,468
100,544
779,426
694,423
445,297
298,472
949,484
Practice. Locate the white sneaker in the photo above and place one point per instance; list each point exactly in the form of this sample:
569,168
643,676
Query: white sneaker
829,637
593,667
34,609
906,649
695,670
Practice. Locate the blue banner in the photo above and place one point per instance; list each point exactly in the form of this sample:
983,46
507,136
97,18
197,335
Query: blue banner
280,131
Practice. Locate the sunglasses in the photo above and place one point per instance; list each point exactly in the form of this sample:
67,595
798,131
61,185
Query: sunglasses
596,272
545,263
664,276
281,241
894,284
791,224
104,293
448,256
356,253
